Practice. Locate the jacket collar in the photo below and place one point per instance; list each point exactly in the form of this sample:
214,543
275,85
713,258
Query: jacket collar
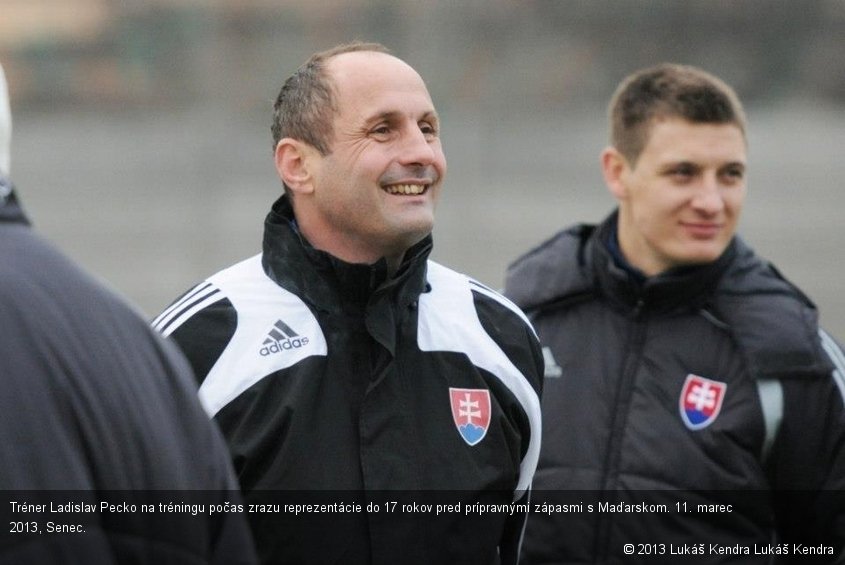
328,283
681,286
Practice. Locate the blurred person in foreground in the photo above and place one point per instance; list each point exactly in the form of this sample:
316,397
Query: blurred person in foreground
342,364
97,408
681,368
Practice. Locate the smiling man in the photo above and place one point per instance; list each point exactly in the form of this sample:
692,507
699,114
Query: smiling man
687,371
346,370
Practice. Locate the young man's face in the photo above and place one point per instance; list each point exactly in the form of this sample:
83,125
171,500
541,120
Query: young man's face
378,186
680,203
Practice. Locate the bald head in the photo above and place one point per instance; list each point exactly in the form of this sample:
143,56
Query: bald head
362,65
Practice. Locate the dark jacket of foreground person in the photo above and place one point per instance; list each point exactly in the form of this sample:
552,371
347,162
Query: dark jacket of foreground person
97,408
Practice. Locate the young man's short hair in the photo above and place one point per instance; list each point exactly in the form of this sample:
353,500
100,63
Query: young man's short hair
668,91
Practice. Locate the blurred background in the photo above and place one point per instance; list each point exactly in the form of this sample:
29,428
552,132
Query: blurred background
141,141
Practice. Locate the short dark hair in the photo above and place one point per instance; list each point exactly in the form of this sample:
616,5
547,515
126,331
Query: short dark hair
306,103
668,91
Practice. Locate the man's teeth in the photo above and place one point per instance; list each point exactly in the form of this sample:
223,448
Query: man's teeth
405,189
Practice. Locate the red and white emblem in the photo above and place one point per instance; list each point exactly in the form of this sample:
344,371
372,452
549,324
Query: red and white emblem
471,412
701,401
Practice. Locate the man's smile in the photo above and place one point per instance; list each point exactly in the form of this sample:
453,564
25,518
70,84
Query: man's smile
412,189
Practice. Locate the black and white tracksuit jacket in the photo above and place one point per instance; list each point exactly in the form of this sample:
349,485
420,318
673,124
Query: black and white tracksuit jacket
711,385
327,376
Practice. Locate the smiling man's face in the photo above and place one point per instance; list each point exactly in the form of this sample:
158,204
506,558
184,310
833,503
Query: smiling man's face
378,185
680,203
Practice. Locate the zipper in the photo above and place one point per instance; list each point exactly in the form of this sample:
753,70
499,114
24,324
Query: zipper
622,402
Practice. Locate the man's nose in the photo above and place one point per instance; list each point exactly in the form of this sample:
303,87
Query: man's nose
708,198
416,148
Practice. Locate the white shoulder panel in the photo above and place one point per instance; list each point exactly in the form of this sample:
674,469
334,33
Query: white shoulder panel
5,127
448,321
275,330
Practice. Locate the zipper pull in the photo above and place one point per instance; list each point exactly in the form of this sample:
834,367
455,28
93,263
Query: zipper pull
638,309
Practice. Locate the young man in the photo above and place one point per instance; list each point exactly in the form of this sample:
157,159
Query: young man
687,370
341,359
95,408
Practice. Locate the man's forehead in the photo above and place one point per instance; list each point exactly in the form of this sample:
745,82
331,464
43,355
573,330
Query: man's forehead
681,126
680,132
376,83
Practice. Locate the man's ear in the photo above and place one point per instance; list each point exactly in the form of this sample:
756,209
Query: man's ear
294,164
614,166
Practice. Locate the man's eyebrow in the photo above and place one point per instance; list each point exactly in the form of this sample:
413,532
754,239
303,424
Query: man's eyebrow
393,115
679,163
431,116
383,116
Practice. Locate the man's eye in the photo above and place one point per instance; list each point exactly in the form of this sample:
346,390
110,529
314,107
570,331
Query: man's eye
682,172
381,130
732,176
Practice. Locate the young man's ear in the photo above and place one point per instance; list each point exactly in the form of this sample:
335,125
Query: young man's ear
294,163
613,167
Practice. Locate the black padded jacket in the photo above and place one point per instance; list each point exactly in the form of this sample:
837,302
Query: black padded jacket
710,390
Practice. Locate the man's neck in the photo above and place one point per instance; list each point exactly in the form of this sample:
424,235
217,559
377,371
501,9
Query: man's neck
350,251
615,249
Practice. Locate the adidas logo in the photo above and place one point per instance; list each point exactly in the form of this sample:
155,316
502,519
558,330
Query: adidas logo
282,338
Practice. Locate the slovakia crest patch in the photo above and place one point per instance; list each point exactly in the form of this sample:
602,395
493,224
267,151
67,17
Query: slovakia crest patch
701,401
471,412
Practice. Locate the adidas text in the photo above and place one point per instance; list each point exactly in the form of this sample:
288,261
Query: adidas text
278,346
